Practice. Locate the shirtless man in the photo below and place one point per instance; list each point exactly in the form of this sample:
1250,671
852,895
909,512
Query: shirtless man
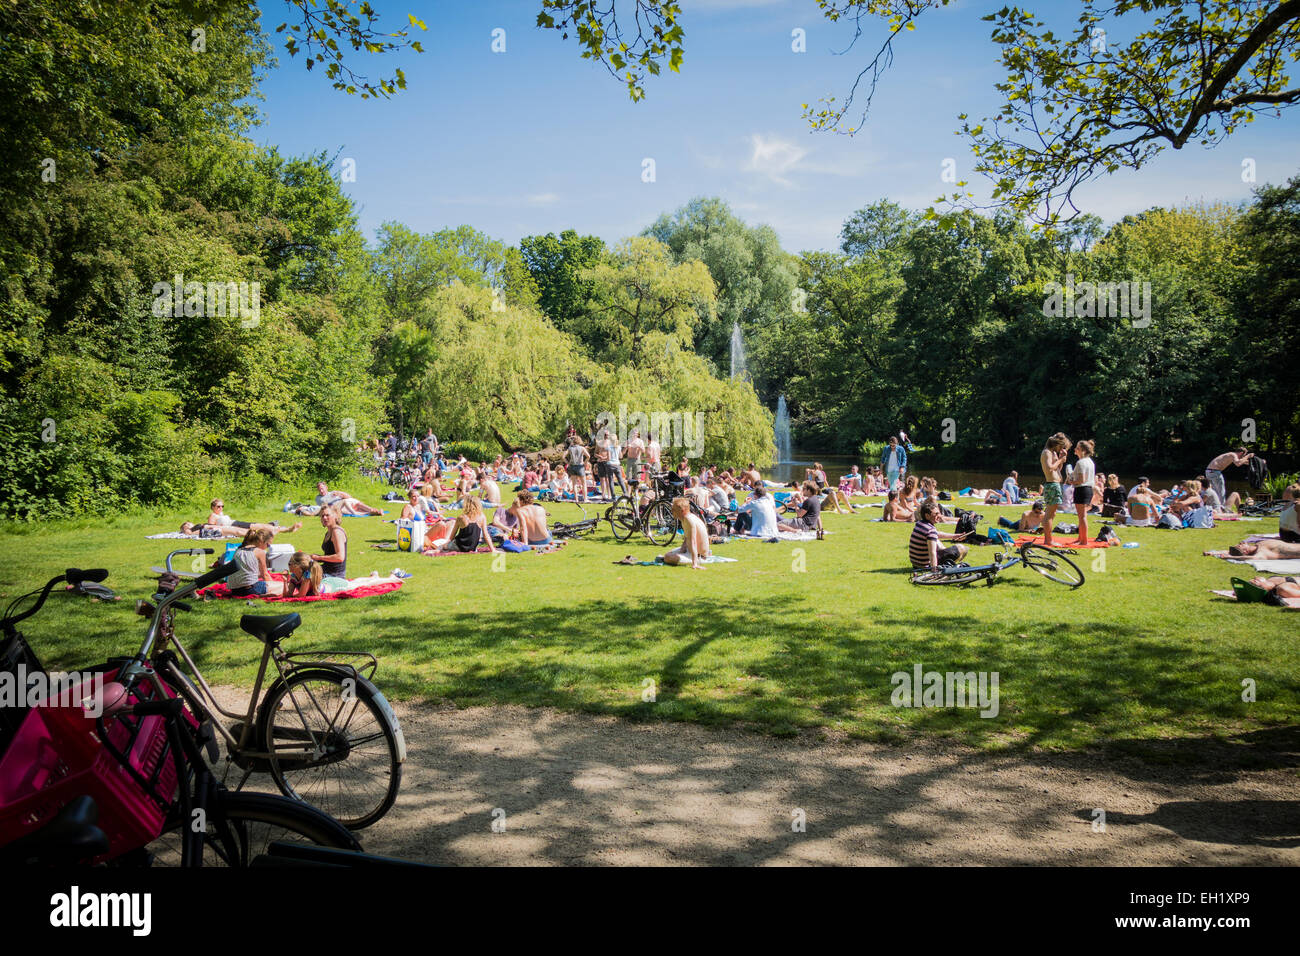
1031,520
530,521
635,451
695,542
1270,549
1215,469
1052,460
350,504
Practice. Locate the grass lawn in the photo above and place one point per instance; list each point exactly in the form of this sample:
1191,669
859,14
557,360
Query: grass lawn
791,636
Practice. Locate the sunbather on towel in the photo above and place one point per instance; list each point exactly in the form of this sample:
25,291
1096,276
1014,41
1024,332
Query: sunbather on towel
1278,586
1270,549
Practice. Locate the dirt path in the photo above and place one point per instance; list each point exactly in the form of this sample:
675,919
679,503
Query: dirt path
579,789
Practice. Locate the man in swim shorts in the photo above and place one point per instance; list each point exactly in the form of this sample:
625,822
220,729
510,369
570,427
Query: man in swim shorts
1052,460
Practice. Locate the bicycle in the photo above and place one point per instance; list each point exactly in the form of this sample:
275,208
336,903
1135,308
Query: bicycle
655,518
575,529
322,730
1050,563
104,783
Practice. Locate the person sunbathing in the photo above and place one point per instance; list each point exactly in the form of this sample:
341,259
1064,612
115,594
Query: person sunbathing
307,578
1030,520
808,511
1270,549
530,521
895,510
252,576
1279,587
345,503
469,530
235,529
695,537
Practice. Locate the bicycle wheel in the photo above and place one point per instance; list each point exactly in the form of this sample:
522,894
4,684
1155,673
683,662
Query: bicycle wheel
622,518
659,524
241,826
1052,565
330,745
927,576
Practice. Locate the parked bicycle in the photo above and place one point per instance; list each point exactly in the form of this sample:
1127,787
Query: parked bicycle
1050,563
654,518
321,728
100,773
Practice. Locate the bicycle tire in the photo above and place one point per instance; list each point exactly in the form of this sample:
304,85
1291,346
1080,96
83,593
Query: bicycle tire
241,826
658,523
1052,564
928,577
358,786
622,518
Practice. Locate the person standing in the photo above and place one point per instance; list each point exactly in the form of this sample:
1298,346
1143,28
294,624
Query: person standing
1052,460
1221,463
1085,473
613,464
893,460
635,452
577,456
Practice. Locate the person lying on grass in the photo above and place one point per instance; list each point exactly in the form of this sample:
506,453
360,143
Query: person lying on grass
346,503
1279,587
923,546
252,576
695,537
1270,549
1030,520
235,529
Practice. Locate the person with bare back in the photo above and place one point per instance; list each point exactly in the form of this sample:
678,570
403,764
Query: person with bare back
1052,461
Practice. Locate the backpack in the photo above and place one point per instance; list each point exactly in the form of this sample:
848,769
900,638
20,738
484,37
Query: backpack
999,536
1257,472
967,522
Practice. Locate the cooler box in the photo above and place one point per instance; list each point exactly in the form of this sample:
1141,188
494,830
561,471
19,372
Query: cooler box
277,557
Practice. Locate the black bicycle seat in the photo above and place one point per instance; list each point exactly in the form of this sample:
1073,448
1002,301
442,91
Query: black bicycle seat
270,629
70,837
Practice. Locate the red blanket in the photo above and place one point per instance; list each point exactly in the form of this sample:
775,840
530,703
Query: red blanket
1065,541
222,590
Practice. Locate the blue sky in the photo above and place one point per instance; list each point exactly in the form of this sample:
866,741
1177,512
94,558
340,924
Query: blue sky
537,140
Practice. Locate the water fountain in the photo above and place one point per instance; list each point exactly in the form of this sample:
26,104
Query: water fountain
737,352
782,429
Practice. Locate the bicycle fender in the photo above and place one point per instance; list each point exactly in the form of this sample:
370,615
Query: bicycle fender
364,687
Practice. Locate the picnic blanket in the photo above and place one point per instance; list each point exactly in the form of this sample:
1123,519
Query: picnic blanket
1288,604
1064,541
360,590
780,536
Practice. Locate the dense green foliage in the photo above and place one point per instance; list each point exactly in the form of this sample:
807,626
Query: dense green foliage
183,311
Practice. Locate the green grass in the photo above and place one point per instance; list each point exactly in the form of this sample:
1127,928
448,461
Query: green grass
1141,652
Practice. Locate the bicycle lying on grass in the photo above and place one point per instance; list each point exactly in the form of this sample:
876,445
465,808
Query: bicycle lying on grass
1050,563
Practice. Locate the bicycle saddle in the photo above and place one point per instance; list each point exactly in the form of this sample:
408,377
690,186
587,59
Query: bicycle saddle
270,629
69,838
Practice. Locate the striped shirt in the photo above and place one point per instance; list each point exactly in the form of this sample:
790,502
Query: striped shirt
918,546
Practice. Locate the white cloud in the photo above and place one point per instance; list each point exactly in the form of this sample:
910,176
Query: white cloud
543,199
774,157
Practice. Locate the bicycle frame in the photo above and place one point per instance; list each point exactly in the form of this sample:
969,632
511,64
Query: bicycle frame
160,632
